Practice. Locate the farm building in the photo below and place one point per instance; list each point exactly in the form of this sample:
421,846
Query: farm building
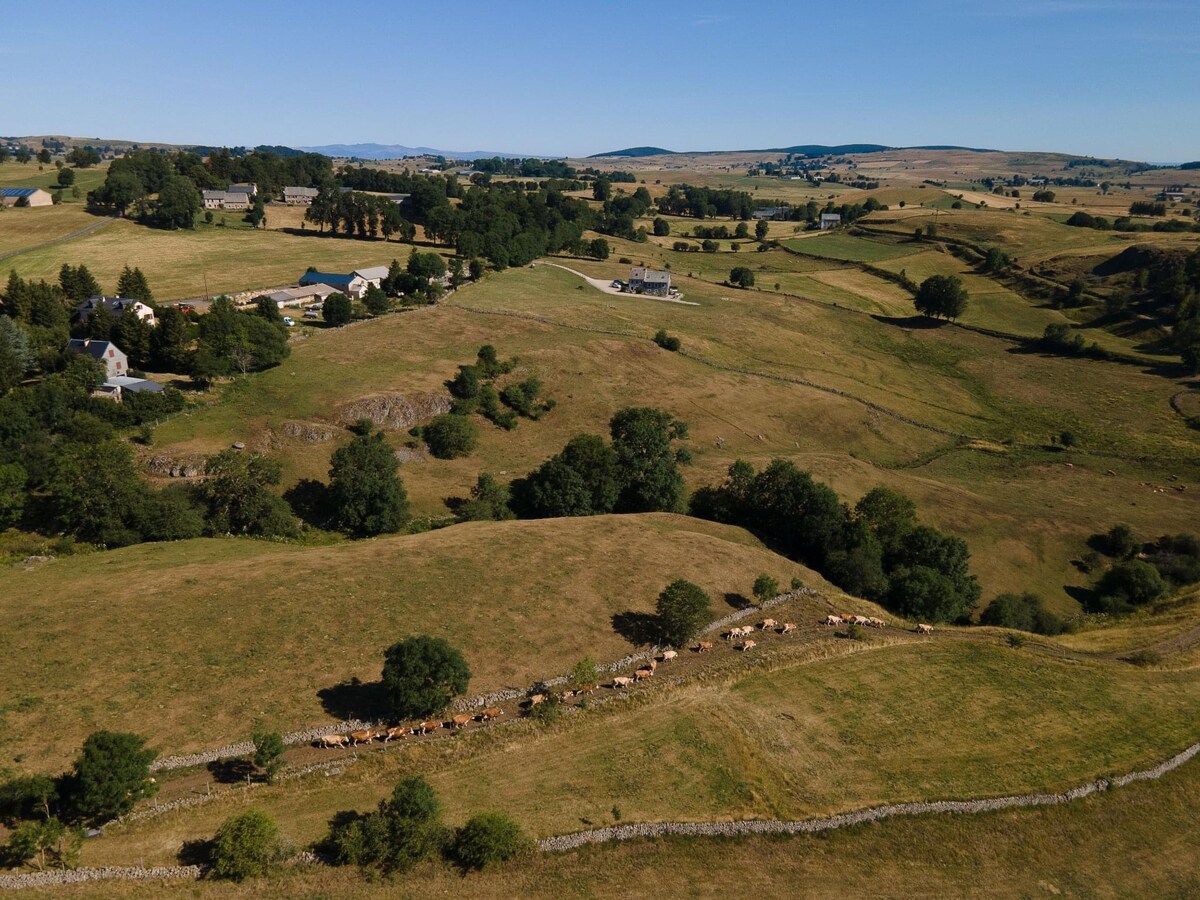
236,196
25,197
299,296
119,385
299,196
1172,195
250,189
770,212
830,220
353,284
113,357
118,306
649,281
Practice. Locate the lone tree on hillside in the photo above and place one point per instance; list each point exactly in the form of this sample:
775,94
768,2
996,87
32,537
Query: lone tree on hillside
268,753
941,296
765,587
683,609
111,774
760,229
421,675
485,839
365,491
742,277
450,436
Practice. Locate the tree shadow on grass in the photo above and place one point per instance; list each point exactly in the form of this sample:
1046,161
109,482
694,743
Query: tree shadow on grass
231,771
196,853
355,699
637,628
737,601
309,500
1085,596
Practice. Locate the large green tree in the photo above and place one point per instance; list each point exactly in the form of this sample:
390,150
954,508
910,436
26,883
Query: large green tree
237,494
642,439
683,609
178,204
111,774
365,491
941,296
247,845
421,675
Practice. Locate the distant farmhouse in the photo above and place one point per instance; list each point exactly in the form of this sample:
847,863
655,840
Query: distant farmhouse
116,367
299,196
1173,195
649,281
830,220
236,196
300,296
118,306
771,212
353,284
25,197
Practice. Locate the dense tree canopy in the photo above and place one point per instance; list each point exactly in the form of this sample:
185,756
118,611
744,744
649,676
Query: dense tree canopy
366,494
421,675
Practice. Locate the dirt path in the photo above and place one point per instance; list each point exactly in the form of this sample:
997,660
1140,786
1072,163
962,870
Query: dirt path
605,285
78,233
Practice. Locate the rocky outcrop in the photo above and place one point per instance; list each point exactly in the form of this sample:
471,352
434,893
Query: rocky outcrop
309,432
394,411
175,467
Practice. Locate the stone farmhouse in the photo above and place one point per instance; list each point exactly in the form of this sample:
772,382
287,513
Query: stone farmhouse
649,281
118,306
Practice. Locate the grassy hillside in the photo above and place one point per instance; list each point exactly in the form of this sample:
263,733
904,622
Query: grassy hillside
189,643
1140,841
178,262
806,731
945,378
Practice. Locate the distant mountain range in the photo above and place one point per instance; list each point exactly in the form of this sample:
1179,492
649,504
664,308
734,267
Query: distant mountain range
394,151
801,149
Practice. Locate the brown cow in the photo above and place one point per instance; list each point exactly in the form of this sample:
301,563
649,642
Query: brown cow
787,626
461,720
567,694
768,623
704,646
621,681
639,674
333,740
536,699
426,727
586,689
747,645
924,629
492,712
398,732
363,737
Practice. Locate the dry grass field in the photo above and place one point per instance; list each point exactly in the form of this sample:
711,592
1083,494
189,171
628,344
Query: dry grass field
190,643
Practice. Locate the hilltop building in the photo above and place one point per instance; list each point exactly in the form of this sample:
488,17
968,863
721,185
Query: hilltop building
649,281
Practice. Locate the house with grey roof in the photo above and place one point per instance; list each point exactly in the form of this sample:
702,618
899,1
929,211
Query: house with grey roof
649,281
25,197
830,220
299,196
113,357
118,306
352,284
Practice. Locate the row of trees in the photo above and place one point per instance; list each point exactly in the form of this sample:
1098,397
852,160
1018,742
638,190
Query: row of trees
877,550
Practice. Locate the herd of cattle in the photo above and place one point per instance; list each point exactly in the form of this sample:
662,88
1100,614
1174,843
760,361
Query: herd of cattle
739,634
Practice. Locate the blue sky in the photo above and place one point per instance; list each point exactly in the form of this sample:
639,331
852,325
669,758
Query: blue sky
1102,77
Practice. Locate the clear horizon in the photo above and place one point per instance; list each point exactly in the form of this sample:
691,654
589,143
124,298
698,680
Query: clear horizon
1107,78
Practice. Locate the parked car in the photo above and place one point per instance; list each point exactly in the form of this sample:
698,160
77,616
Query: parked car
311,314
289,321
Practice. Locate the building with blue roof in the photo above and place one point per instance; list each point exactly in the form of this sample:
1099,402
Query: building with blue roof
12,196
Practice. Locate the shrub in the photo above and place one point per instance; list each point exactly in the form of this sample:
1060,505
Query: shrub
268,753
247,845
337,310
486,839
421,675
1127,585
547,711
1016,641
1143,658
1024,612
1118,542
741,276
765,587
450,436
666,341
856,633
584,673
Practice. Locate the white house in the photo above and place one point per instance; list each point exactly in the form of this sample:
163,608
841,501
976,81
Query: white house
236,196
830,220
118,306
299,196
115,361
353,284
